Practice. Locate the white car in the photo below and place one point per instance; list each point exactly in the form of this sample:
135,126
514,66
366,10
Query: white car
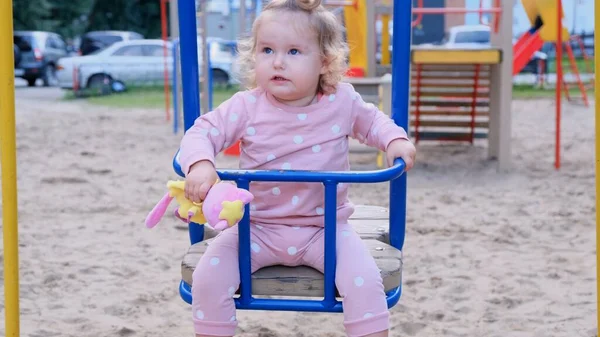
133,62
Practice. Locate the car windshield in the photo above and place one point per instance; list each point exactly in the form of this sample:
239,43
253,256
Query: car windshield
476,36
106,39
96,52
24,42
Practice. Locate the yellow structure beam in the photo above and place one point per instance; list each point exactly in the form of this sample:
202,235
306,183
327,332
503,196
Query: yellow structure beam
9,171
385,39
456,56
355,18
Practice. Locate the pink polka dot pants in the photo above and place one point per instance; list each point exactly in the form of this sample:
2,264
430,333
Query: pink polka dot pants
358,280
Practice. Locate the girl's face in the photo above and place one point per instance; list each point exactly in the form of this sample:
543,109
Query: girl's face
288,58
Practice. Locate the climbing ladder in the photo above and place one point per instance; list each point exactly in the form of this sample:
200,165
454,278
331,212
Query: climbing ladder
450,102
574,72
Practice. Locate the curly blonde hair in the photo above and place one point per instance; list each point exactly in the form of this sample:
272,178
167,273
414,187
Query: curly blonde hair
334,49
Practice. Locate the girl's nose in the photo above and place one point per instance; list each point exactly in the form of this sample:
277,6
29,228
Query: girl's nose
278,61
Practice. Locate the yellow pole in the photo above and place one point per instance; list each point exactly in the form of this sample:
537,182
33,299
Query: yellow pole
9,171
385,39
597,137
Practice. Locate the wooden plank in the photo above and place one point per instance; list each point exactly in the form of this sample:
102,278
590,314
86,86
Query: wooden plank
450,76
451,93
451,113
431,85
449,123
453,71
451,108
369,212
453,67
450,83
303,281
450,89
450,136
447,102
372,229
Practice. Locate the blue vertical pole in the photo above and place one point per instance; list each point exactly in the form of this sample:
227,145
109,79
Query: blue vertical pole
330,243
188,46
189,61
401,60
244,257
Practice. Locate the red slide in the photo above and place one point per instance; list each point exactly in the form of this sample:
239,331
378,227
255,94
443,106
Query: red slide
527,44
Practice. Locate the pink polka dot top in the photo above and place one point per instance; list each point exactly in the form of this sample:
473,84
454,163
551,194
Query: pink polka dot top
275,136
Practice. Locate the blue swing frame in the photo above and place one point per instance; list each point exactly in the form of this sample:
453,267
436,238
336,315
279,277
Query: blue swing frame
401,58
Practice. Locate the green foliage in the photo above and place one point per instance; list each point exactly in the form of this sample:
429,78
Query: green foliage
142,16
72,18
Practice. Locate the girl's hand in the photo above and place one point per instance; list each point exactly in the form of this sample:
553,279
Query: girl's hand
401,148
199,180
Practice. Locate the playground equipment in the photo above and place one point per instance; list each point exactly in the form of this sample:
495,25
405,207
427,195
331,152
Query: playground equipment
545,17
8,156
451,99
464,94
386,247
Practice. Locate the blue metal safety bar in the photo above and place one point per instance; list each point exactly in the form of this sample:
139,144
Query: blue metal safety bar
400,108
232,45
330,180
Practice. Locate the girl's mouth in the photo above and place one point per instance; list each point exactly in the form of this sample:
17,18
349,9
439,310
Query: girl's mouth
278,78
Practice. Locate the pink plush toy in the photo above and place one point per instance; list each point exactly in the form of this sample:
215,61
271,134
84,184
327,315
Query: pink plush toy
223,206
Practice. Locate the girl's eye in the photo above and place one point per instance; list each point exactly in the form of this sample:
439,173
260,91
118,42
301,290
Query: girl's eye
294,51
267,50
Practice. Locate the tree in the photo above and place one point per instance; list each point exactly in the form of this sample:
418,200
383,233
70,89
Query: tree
72,18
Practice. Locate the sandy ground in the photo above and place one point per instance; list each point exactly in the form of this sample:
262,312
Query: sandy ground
487,253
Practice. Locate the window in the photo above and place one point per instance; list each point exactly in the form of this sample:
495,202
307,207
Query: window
481,36
156,51
129,51
24,42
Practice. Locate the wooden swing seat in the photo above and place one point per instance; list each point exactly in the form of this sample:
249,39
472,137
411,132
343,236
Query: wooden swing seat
370,222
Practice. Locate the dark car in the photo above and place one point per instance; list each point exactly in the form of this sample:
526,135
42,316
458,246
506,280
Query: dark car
36,55
98,40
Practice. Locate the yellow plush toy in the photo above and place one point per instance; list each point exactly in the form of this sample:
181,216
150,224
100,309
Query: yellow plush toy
187,209
223,206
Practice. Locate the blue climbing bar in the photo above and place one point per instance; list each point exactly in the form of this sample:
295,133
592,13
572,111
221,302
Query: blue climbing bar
401,60
188,45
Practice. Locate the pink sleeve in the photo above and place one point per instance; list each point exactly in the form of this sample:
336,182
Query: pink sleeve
373,127
213,132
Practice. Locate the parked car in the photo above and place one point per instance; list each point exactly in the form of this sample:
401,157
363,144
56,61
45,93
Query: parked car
222,59
98,40
132,62
37,54
139,62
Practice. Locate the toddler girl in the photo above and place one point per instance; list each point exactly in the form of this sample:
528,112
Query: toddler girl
296,115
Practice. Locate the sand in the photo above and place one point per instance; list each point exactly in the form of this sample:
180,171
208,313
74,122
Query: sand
487,253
